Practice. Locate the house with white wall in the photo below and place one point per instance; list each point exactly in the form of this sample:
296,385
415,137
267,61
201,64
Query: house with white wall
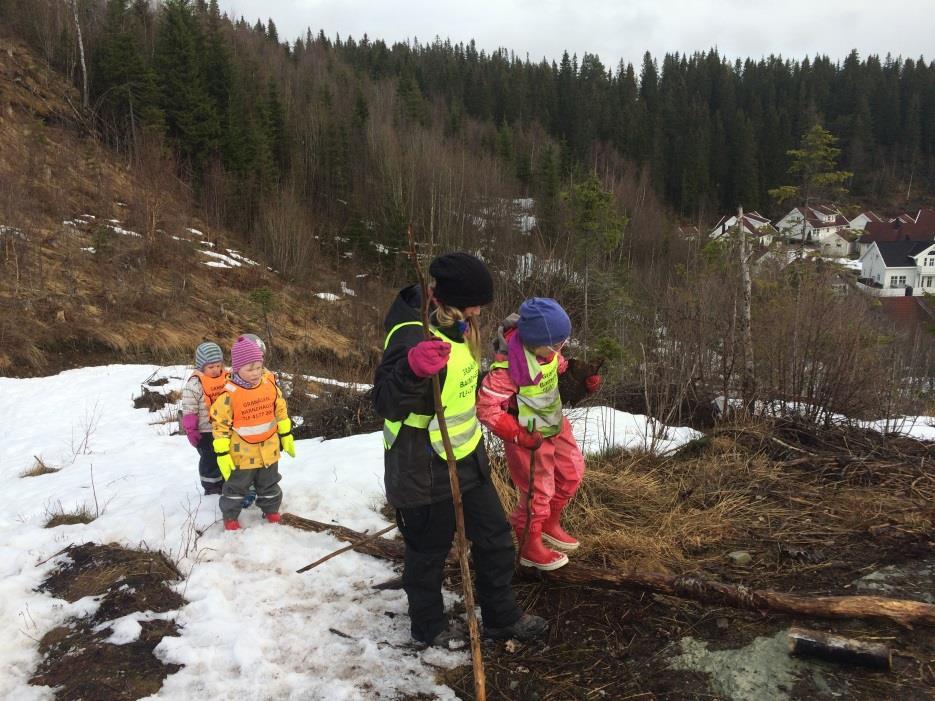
755,225
859,223
893,268
812,224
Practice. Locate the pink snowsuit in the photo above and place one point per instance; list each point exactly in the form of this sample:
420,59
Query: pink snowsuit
559,462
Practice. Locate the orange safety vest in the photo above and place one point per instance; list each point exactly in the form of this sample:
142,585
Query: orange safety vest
254,410
213,387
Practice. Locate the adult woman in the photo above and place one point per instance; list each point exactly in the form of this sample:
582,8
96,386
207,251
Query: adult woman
416,472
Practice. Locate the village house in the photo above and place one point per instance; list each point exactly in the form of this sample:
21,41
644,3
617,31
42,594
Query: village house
819,225
860,222
755,225
892,268
918,229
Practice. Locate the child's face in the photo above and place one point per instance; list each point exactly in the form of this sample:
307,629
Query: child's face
251,372
213,369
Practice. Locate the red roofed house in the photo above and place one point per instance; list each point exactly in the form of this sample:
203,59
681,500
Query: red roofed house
861,220
821,225
897,230
754,224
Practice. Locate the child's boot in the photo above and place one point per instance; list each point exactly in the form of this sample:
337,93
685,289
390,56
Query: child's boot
274,517
231,524
553,533
535,554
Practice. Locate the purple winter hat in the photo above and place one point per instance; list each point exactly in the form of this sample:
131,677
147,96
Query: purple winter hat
244,352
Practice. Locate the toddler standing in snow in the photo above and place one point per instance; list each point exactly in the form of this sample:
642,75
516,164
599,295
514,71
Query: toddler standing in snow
250,420
519,401
204,386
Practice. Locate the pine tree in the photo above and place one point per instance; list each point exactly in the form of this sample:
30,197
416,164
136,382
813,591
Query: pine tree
191,118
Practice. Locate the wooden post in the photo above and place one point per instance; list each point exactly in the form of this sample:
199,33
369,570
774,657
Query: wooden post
480,682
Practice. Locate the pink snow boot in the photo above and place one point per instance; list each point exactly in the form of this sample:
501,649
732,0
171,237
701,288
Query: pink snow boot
535,554
232,525
553,533
273,517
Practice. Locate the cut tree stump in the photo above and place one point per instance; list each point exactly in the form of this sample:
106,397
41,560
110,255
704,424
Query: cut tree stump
903,611
836,648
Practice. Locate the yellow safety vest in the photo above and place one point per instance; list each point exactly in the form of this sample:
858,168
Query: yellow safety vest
459,397
540,403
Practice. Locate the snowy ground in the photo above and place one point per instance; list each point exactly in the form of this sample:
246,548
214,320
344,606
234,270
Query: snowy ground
252,628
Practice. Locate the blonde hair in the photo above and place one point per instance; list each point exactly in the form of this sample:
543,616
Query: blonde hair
449,316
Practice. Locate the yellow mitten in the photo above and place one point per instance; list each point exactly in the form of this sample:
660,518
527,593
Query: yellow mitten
288,444
222,448
285,437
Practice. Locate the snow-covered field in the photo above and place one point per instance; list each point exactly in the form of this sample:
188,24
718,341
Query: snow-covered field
252,628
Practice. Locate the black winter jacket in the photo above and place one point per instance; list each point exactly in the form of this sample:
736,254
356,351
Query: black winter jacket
414,474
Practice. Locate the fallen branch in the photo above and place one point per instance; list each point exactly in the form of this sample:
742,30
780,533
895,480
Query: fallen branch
836,648
903,611
352,546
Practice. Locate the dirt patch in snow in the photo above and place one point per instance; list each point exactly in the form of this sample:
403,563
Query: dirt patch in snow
93,657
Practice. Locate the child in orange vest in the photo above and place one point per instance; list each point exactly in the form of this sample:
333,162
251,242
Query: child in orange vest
250,421
204,386
519,401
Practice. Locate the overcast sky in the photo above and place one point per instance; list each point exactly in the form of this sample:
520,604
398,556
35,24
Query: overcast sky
616,29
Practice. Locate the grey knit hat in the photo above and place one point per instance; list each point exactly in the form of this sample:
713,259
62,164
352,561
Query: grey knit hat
207,353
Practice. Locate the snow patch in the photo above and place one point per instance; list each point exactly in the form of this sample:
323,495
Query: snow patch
601,428
328,296
251,627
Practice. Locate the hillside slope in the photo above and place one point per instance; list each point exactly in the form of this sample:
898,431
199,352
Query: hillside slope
104,259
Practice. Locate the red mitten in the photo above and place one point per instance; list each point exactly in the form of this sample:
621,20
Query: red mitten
428,357
506,427
592,383
529,441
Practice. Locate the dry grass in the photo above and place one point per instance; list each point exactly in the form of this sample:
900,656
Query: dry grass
148,298
81,514
686,512
39,468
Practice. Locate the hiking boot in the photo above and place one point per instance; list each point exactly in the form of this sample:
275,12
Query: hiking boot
526,628
274,517
248,500
535,554
453,637
231,524
554,535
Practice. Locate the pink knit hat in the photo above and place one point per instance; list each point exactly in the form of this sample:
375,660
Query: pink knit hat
243,353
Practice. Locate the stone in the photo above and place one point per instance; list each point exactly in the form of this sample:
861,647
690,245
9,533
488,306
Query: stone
740,557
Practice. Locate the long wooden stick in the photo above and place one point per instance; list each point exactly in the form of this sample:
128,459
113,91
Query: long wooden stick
532,482
906,612
352,546
480,680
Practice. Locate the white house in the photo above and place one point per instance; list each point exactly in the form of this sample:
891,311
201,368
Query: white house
754,225
813,224
892,268
838,244
859,223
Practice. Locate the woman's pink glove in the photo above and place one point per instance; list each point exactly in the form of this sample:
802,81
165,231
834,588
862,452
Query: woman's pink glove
592,383
190,424
428,357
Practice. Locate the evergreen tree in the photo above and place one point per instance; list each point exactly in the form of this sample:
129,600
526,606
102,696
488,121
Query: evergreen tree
191,118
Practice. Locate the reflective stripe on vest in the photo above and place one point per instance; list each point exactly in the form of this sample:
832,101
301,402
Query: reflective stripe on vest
540,403
213,387
459,397
253,410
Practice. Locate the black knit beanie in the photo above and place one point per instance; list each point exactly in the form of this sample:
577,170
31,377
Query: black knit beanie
461,280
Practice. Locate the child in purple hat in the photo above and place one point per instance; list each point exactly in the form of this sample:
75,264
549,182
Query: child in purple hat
251,425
